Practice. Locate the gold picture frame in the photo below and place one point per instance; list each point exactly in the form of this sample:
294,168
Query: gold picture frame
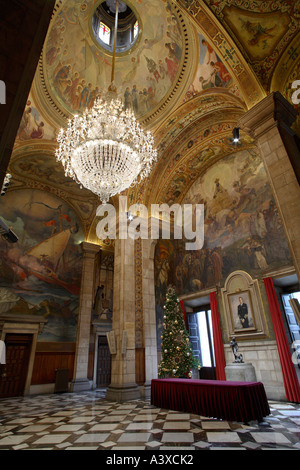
239,284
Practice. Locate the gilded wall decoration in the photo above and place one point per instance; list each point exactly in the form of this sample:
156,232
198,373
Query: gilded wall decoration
212,26
262,30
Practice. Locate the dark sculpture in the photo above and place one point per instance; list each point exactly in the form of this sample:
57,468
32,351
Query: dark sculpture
234,346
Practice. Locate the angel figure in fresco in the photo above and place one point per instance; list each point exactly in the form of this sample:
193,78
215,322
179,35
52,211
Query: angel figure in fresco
258,32
149,43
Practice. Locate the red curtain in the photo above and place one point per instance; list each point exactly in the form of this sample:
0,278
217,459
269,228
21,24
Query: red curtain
218,343
290,379
183,313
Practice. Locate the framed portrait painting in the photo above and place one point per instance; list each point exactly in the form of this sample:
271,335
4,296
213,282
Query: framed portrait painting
241,310
243,307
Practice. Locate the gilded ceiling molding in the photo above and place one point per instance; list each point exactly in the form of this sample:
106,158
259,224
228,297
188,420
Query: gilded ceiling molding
187,70
39,88
56,116
198,107
237,64
176,181
188,132
288,63
179,187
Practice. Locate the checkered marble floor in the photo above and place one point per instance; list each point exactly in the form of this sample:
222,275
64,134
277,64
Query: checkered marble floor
87,421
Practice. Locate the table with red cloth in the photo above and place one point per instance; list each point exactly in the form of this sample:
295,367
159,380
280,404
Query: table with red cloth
232,401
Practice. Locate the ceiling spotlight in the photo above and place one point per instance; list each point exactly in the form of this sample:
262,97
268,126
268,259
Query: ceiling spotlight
236,135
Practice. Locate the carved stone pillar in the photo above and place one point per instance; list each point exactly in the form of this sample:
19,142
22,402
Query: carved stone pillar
80,378
123,385
269,123
149,320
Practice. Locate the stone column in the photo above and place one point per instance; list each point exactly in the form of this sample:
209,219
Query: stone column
123,386
269,123
80,378
149,323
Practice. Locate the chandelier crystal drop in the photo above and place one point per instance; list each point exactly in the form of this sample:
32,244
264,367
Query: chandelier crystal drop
105,150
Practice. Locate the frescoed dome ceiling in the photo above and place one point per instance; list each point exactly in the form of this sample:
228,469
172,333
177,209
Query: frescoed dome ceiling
195,68
75,68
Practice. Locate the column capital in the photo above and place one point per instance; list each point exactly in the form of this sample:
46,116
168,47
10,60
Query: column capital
90,248
272,111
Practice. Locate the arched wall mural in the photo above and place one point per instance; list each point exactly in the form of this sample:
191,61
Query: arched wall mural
41,273
242,230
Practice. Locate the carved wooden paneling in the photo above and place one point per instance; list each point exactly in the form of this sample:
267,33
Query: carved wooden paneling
46,364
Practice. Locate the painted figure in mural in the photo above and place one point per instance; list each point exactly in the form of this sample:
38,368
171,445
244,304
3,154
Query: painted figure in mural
259,33
242,312
30,126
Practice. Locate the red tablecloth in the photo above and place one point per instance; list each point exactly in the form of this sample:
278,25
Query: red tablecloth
232,401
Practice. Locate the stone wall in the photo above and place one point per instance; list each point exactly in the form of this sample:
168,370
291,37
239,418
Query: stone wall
264,357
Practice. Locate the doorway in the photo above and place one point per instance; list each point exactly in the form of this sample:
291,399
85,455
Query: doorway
14,373
287,287
103,363
292,326
201,336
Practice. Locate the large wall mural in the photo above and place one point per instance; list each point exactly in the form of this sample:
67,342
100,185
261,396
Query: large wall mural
41,273
242,230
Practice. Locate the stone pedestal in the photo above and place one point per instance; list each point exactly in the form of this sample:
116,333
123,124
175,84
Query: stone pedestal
123,392
240,372
80,385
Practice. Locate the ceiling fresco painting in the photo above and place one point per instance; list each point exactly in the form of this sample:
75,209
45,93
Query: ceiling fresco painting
194,70
33,126
259,33
262,30
211,72
78,71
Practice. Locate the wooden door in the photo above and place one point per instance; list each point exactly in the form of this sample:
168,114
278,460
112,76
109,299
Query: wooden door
103,363
14,374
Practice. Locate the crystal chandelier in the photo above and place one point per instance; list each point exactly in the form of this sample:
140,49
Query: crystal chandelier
105,150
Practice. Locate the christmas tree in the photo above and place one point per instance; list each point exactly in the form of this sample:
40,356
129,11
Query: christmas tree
177,354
